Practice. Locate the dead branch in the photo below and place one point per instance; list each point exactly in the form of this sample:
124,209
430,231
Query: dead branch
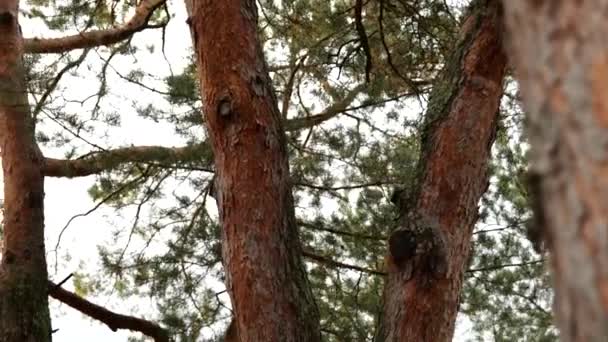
113,320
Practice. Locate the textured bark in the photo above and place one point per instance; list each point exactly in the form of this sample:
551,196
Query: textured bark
24,314
266,279
422,292
560,52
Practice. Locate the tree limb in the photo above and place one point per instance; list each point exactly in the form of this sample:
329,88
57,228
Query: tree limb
330,262
499,267
409,82
138,22
324,228
113,320
363,38
330,112
96,162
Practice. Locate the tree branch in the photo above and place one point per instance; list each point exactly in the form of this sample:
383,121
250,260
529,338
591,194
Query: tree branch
410,83
341,187
330,262
363,38
499,267
330,112
138,22
323,228
96,162
113,320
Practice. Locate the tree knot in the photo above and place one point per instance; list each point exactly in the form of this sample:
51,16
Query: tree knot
225,106
7,18
419,246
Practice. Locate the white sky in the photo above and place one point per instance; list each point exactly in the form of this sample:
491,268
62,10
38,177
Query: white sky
67,197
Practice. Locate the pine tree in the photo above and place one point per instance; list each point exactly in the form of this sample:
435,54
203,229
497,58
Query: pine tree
385,111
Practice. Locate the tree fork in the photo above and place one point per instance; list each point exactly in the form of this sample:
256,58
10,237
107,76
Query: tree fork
428,252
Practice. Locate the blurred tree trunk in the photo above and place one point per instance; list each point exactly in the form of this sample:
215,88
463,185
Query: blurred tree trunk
266,279
560,53
24,313
429,251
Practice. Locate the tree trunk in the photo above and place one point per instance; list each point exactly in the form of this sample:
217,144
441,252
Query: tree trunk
24,313
266,279
429,251
560,53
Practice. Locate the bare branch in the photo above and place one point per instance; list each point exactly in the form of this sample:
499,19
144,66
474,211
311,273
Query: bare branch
53,84
341,187
363,38
289,87
113,320
410,83
330,262
88,39
323,228
330,112
499,267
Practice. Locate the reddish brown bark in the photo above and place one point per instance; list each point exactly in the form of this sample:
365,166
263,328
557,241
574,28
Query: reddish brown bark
24,314
560,52
231,334
424,282
267,282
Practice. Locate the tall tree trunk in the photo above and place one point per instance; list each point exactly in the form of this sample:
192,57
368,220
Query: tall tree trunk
24,313
429,251
267,282
560,53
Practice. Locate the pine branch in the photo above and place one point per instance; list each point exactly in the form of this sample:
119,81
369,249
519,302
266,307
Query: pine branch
103,160
88,39
96,162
